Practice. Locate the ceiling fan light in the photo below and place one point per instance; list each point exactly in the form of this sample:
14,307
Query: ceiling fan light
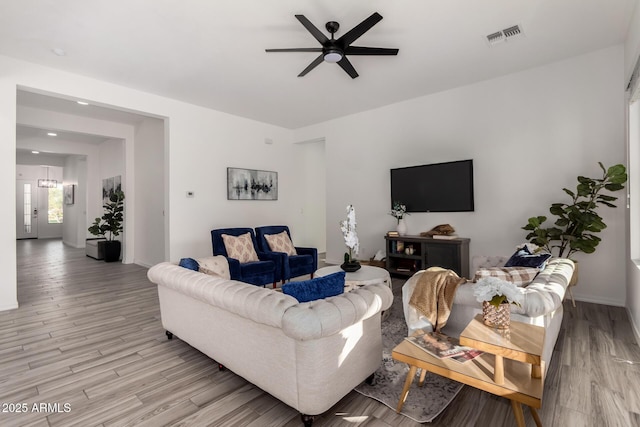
333,55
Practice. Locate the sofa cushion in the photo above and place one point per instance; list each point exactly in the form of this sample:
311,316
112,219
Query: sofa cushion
318,288
280,243
524,258
216,265
189,263
520,276
240,247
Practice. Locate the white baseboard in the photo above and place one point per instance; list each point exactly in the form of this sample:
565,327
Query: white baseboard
5,307
597,300
636,332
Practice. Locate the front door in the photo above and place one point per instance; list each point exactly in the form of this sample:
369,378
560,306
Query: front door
26,209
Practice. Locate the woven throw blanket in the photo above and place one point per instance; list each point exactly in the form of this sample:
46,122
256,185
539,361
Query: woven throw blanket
433,295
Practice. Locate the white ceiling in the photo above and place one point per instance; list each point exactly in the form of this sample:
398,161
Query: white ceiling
211,53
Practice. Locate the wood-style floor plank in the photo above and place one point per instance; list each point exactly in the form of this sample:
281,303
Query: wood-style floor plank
88,333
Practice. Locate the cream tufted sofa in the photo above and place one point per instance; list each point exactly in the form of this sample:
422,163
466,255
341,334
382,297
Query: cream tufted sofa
308,355
542,301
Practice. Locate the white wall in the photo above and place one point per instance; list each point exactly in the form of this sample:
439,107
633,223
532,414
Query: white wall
202,144
29,116
75,215
632,55
149,188
529,134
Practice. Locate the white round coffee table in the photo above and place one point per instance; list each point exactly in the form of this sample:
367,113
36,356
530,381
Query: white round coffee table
366,275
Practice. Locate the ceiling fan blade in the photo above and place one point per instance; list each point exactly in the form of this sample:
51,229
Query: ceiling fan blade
315,32
313,65
296,49
359,50
353,34
346,65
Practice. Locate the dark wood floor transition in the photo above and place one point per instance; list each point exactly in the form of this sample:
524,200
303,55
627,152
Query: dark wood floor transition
86,348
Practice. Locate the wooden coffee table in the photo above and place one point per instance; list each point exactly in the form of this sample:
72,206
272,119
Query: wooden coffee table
519,382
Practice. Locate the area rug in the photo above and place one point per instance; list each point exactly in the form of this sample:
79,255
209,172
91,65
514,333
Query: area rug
424,403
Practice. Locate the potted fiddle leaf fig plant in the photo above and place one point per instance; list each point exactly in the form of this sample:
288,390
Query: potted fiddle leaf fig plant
577,221
109,226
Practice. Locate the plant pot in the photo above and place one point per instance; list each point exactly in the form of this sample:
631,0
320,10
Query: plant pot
112,250
496,317
351,266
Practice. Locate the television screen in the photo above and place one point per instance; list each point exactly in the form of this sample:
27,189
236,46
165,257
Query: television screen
438,187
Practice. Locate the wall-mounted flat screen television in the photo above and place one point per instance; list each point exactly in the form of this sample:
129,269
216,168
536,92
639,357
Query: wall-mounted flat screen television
437,187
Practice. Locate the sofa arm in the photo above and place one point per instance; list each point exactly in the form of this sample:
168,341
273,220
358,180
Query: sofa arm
546,292
278,259
325,317
234,268
309,251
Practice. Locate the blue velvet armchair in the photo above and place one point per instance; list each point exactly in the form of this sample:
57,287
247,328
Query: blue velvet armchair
263,272
306,262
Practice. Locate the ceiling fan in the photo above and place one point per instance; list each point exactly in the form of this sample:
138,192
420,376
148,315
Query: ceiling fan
333,50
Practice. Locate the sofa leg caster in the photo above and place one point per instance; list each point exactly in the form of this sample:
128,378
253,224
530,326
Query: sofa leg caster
371,379
307,420
221,367
169,335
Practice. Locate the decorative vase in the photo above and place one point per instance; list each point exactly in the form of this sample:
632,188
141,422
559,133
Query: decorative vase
350,266
496,317
402,227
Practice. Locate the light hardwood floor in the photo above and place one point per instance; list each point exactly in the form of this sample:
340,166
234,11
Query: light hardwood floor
88,334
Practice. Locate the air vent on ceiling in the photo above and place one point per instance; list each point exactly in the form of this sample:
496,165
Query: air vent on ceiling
504,35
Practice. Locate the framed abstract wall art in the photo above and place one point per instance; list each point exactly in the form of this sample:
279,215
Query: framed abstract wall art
251,184
69,194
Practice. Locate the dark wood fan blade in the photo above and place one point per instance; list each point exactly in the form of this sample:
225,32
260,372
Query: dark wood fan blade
346,65
296,49
313,65
360,29
315,32
359,50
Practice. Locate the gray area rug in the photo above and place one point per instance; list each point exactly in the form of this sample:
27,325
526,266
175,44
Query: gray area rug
424,403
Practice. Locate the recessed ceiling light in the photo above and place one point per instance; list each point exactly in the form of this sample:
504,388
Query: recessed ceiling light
35,152
58,51
52,134
82,103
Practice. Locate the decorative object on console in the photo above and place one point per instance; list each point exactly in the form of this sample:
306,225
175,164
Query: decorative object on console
496,295
251,184
439,230
110,226
350,235
578,220
398,211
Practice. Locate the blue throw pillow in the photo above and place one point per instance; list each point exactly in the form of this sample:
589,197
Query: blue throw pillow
318,288
189,263
524,258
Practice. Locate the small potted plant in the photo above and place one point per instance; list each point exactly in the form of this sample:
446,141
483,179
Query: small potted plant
348,228
109,226
496,296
